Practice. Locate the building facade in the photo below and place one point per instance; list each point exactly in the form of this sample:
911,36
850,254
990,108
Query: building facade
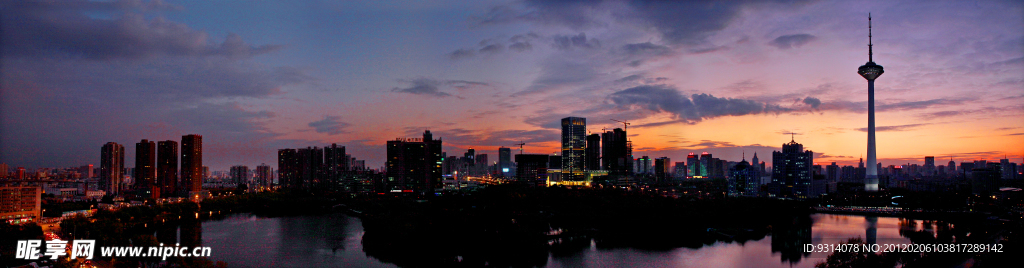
414,165
792,174
574,142
111,168
167,167
192,163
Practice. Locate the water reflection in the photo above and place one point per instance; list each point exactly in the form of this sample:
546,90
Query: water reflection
789,238
338,241
871,230
301,241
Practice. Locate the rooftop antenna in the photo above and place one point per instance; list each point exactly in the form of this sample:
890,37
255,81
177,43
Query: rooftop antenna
792,137
870,53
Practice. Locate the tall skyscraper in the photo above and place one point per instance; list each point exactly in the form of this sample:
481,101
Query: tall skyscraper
593,152
707,162
505,162
192,163
929,165
791,172
693,165
145,168
111,167
167,167
574,131
414,165
662,166
871,71
616,155
741,180
643,165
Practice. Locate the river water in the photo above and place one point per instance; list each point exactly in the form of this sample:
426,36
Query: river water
334,240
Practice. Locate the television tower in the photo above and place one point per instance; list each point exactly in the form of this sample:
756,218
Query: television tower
871,71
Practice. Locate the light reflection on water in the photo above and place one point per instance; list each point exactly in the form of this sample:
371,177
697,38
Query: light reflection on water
335,241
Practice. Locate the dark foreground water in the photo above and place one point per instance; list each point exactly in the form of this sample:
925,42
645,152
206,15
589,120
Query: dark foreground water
334,241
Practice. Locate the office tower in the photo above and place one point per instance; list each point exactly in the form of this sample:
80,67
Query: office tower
679,170
706,165
592,154
661,168
929,165
871,71
240,175
693,166
414,165
742,181
20,175
757,167
984,181
167,167
86,171
145,167
951,166
861,172
335,166
191,163
531,169
311,166
832,172
643,165
791,172
288,168
574,141
505,161
1006,169
481,165
263,177
616,154
111,168
470,157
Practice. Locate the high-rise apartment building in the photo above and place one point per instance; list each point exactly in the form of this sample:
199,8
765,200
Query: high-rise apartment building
145,168
192,163
111,168
167,167
617,156
414,165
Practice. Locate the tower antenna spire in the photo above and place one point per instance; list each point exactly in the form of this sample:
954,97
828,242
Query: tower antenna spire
870,52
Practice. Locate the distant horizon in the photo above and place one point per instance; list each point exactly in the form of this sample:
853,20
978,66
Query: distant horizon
722,77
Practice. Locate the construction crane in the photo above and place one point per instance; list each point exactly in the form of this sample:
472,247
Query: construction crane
521,143
625,124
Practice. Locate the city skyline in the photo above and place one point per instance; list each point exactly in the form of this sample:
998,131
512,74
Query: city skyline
489,75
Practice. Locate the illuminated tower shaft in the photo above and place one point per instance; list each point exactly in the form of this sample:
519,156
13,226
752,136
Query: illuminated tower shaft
871,71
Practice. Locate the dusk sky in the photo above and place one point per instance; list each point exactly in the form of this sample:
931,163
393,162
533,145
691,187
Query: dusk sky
725,77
